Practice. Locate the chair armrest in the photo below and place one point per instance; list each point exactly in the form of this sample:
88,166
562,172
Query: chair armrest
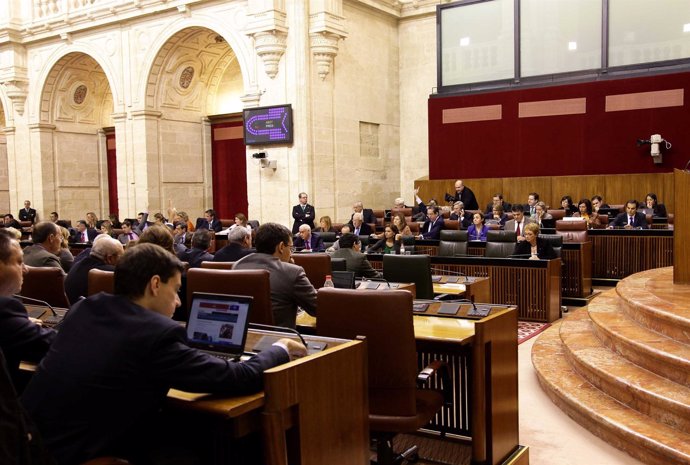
440,369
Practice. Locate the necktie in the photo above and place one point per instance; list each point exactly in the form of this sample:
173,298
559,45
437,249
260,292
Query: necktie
631,221
131,236
85,237
357,232
307,244
517,229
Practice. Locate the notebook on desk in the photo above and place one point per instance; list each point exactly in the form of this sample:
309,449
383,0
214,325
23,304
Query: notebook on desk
218,324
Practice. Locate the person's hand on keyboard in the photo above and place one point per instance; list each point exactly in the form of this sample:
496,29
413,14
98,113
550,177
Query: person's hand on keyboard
294,349
36,321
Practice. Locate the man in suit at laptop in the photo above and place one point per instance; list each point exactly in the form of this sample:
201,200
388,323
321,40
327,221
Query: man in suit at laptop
115,357
290,287
631,219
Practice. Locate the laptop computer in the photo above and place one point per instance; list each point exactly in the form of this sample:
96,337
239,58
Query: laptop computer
218,324
343,279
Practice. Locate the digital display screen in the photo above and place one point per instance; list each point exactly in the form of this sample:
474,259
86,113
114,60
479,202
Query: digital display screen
268,125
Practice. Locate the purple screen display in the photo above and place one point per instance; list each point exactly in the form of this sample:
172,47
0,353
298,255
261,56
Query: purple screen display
268,125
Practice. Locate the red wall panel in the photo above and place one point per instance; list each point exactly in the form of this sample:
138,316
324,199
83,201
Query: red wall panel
596,142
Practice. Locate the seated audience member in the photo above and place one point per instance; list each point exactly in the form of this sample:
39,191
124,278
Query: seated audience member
92,220
463,194
181,236
104,255
478,230
390,243
159,235
359,227
239,245
98,392
106,228
209,221
356,261
201,241
496,200
114,221
585,211
27,213
597,203
44,253
308,242
129,232
567,205
631,218
497,216
290,287
398,219
20,337
325,225
53,217
534,247
179,216
518,222
65,255
83,234
303,213
530,208
159,219
336,245
367,213
652,203
542,213
240,222
10,222
432,226
459,214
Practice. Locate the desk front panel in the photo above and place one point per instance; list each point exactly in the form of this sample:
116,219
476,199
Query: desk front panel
620,253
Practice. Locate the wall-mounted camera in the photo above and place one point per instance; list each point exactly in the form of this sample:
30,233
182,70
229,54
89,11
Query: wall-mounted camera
259,155
655,140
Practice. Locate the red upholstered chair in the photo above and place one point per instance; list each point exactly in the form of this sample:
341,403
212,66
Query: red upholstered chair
451,224
316,266
254,283
47,284
407,211
217,265
226,223
338,227
414,227
557,214
101,281
396,405
572,231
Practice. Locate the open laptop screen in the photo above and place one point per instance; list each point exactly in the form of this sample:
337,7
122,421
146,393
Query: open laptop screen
218,322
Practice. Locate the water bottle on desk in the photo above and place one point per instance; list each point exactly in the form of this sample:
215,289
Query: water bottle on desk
328,282
402,248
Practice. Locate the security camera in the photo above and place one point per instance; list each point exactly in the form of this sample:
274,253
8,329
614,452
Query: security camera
654,140
259,155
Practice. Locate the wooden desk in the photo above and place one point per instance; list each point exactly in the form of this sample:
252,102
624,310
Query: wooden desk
617,253
475,288
386,286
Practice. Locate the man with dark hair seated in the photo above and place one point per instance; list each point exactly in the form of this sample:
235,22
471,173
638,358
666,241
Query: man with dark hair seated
8,221
115,357
290,287
351,250
631,218
433,225
201,241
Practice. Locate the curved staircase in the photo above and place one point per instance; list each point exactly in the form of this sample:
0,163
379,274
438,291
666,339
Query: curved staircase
621,367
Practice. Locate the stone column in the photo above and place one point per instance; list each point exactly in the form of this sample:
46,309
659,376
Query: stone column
40,167
145,161
125,166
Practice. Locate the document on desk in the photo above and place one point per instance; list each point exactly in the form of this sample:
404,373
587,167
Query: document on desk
453,287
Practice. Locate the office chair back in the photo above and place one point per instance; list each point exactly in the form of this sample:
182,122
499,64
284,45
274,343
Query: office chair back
410,269
572,231
254,283
556,241
343,279
45,283
392,360
217,265
316,266
338,264
453,243
101,281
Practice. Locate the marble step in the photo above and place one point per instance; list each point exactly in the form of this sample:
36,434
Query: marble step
640,389
651,299
627,429
642,346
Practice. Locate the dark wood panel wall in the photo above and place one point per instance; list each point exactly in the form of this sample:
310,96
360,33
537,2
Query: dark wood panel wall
615,189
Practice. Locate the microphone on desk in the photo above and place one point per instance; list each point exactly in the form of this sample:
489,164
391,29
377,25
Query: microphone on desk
474,306
379,280
438,271
280,329
36,301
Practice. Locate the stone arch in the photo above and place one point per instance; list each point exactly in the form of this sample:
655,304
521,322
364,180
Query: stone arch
236,42
43,86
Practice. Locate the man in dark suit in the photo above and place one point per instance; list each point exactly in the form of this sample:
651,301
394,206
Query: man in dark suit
465,195
307,241
209,221
47,239
83,234
359,227
530,208
20,338
201,241
8,221
356,261
239,245
433,225
367,213
459,214
631,219
303,213
27,213
104,255
99,389
497,200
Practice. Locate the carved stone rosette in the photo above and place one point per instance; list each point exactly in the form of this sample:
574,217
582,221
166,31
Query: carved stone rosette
270,46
